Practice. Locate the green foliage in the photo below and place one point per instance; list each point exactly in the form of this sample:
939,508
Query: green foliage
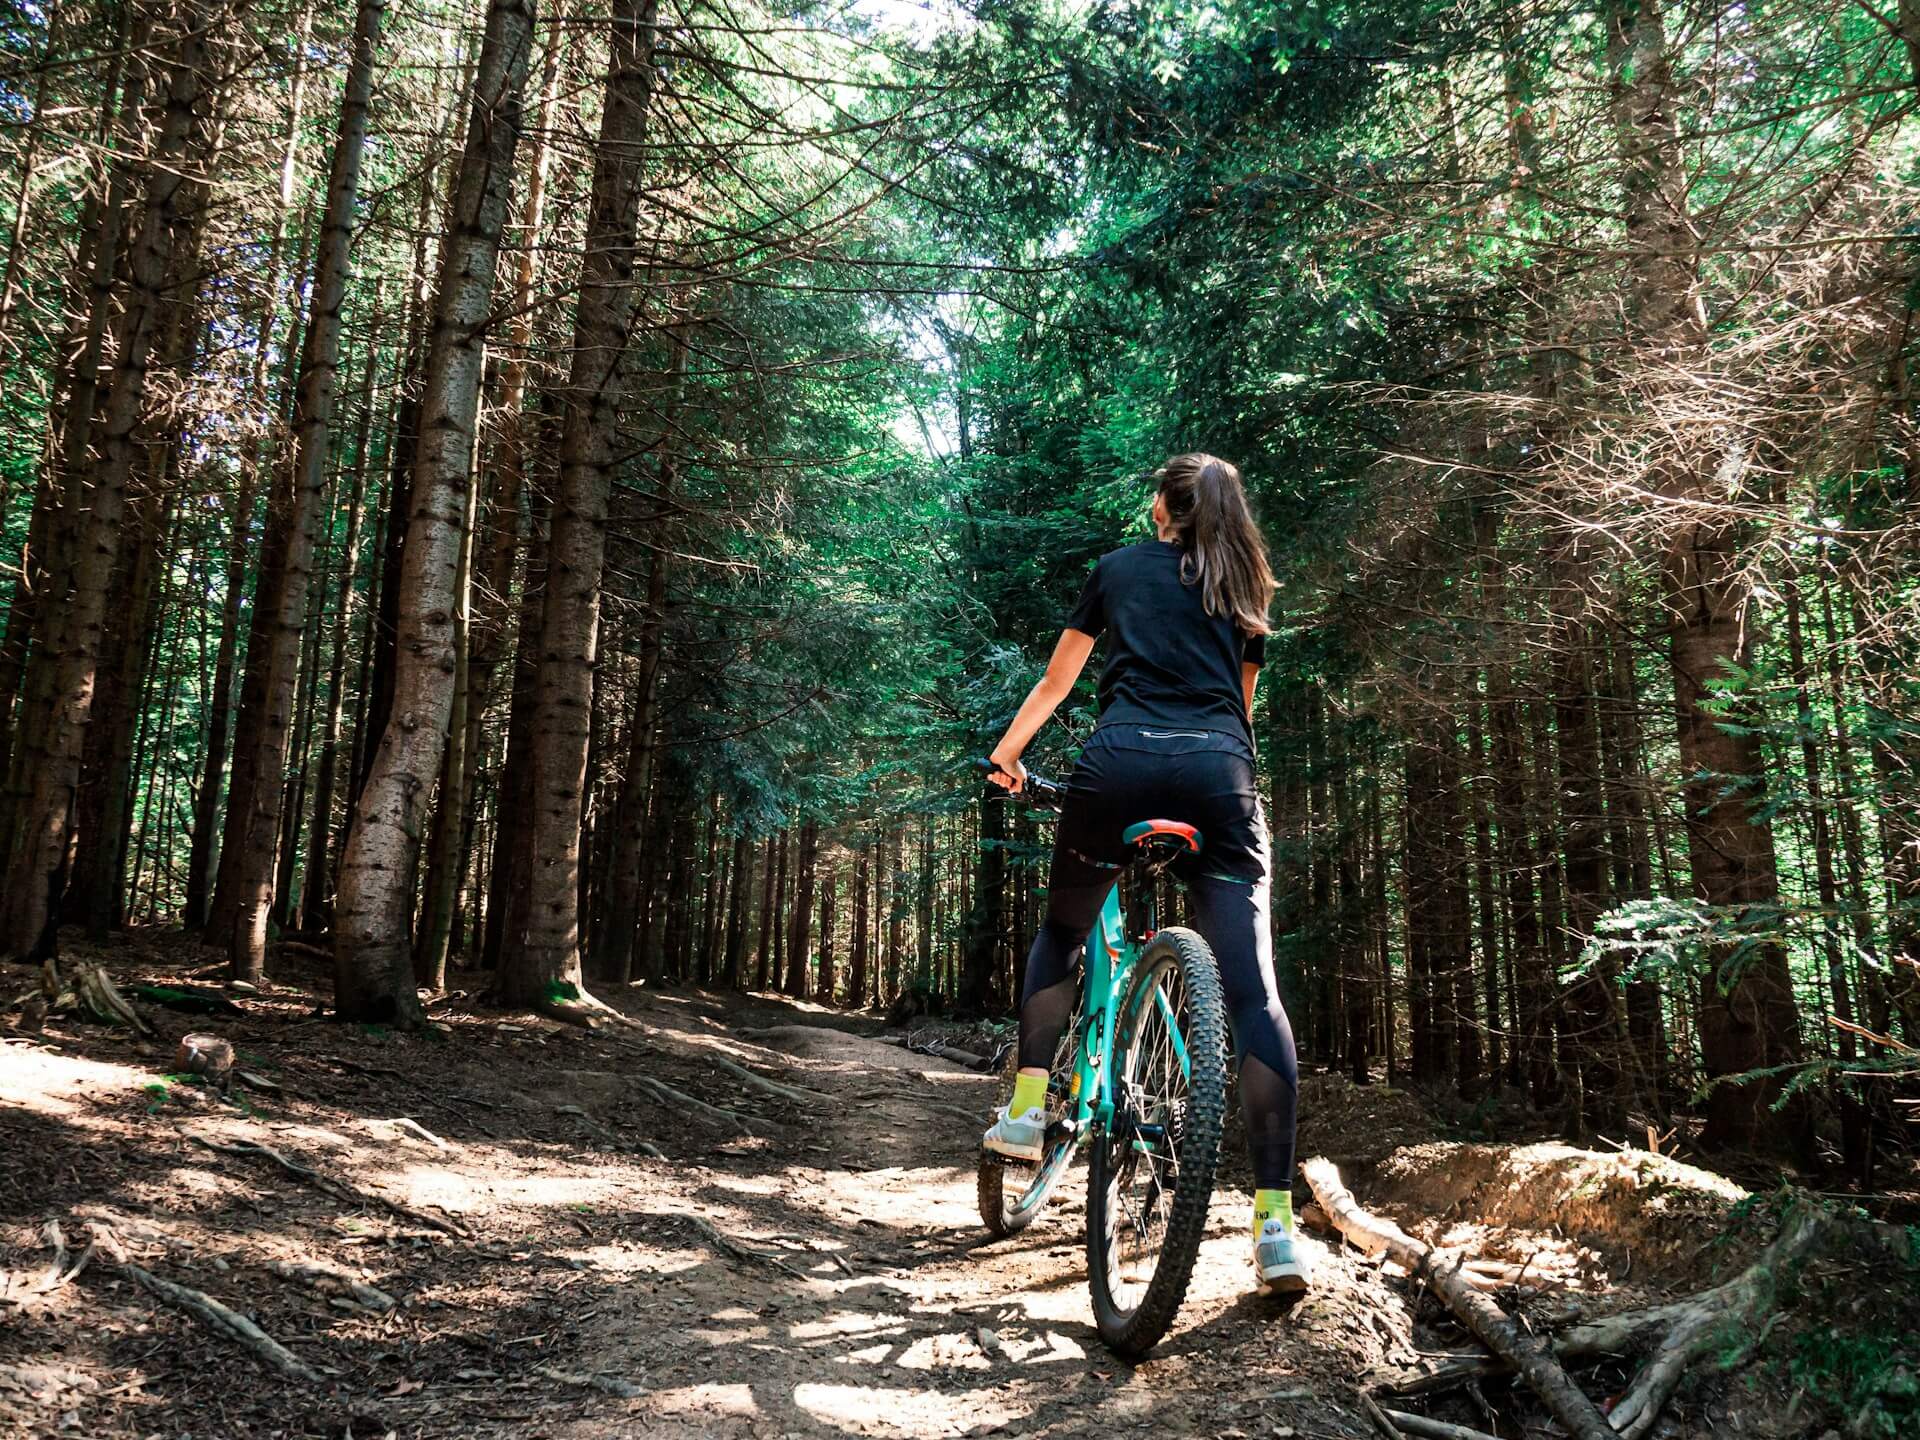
1870,1379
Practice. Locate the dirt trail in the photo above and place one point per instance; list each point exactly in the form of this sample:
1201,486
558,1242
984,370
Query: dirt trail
632,1266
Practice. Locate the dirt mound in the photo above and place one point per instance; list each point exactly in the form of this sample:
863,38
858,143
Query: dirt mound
1630,1209
1362,1124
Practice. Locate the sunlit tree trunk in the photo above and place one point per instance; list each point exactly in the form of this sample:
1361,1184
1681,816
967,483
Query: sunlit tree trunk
799,942
373,978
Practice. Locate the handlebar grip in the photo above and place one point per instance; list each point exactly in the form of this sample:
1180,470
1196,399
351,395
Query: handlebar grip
1038,789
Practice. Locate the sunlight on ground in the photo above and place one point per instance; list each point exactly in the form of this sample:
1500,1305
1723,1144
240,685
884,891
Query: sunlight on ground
458,1191
909,1414
714,1399
50,1083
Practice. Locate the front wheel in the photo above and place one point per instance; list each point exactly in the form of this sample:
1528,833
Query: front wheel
1152,1171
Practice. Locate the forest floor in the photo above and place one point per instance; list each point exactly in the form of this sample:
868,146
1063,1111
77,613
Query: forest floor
576,1257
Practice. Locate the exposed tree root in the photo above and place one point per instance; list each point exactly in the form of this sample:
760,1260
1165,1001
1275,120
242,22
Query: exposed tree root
667,1095
339,1189
771,1087
1685,1330
1529,1354
229,1323
335,1283
727,1245
1424,1429
1699,1324
605,1384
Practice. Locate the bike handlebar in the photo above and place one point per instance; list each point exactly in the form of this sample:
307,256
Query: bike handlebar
1038,791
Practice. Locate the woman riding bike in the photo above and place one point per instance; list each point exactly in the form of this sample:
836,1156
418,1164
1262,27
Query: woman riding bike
1186,620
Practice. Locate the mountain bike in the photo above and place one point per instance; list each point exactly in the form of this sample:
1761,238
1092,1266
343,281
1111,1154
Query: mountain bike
1140,1076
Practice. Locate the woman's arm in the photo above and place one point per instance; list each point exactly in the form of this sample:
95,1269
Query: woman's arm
1069,659
1249,677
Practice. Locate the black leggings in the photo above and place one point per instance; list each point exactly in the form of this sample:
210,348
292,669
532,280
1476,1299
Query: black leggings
1129,773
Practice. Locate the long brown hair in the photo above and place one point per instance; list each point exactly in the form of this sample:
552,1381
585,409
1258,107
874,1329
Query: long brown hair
1223,550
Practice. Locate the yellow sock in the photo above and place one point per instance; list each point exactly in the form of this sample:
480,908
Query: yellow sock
1029,1093
1272,1205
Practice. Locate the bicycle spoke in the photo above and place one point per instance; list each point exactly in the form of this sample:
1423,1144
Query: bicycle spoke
1152,1087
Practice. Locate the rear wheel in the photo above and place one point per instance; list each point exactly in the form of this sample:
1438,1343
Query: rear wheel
1152,1170
1011,1191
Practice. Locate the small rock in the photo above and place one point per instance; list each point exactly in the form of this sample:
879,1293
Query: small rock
243,987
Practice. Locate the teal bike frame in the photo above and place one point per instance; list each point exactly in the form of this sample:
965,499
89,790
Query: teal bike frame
1107,967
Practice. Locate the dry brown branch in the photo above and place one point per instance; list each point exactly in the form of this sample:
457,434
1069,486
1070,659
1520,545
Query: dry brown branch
605,1384
1388,1430
1529,1354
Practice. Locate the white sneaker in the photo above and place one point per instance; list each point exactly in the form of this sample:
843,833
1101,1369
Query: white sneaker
1018,1138
1278,1262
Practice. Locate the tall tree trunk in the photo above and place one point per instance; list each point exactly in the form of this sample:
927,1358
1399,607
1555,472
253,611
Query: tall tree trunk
38,852
512,853
763,945
896,918
778,953
445,857
827,972
1590,1039
242,560
799,942
316,899
373,975
857,978
985,930
1748,1019
739,910
48,562
546,964
1533,974
253,829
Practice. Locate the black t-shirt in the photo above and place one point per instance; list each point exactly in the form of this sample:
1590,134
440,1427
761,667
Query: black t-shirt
1169,663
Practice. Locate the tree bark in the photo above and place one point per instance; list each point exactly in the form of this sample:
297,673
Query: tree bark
546,966
1748,1020
253,837
799,944
316,898
827,970
70,658
373,978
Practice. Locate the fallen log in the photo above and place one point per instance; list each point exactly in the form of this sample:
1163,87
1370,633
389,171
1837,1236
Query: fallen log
1686,1330
1530,1355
